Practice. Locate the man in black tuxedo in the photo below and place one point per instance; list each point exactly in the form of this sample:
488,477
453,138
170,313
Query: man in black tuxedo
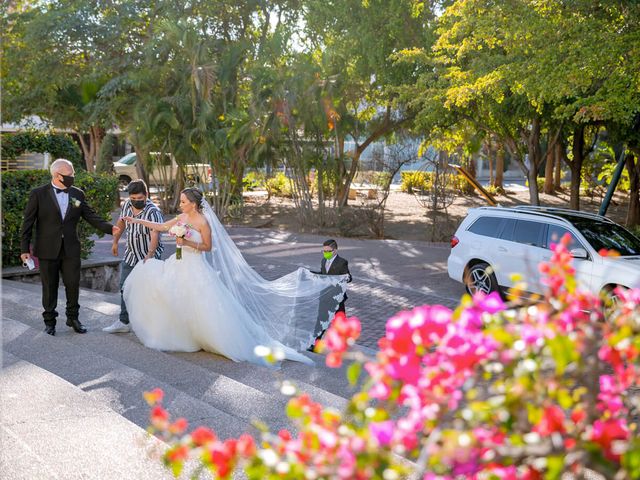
55,210
331,264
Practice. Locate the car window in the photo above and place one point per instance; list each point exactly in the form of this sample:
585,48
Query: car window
609,236
128,160
487,226
528,233
508,228
555,234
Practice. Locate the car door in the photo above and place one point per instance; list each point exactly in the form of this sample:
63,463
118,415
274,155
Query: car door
584,267
520,249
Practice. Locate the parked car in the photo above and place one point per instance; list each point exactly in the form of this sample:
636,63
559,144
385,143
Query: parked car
125,168
493,245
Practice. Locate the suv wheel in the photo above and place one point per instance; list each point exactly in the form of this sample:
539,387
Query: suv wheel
480,278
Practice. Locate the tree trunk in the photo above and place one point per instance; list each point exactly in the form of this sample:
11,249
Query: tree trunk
490,156
499,180
548,171
535,159
632,164
140,158
558,150
387,126
85,148
576,166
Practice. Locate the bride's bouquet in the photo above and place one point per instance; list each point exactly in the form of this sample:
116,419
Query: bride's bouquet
180,230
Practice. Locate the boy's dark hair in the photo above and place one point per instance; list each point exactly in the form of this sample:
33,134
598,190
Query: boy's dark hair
137,186
331,243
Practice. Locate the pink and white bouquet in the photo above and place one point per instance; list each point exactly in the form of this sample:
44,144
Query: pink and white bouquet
180,230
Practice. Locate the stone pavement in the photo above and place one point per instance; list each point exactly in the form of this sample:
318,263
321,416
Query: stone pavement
388,275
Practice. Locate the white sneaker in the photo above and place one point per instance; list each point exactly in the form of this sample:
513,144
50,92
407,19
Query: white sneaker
117,327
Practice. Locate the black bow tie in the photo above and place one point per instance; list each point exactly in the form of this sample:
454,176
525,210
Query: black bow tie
61,190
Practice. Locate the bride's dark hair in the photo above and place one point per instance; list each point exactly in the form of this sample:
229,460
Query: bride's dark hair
194,196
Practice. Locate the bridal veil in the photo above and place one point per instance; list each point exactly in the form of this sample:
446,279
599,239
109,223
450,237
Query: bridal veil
289,307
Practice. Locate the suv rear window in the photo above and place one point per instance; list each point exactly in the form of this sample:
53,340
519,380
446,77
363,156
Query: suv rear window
487,226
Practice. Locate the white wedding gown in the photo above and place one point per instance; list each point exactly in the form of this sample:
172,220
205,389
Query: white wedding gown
183,305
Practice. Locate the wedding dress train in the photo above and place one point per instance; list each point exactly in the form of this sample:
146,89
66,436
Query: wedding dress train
216,302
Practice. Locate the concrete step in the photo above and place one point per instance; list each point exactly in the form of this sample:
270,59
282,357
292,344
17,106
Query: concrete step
108,382
52,429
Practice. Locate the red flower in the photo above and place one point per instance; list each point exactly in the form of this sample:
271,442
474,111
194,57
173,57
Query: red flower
552,421
179,426
203,436
246,446
179,453
159,417
154,396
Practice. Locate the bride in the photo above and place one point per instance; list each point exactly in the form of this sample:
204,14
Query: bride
211,299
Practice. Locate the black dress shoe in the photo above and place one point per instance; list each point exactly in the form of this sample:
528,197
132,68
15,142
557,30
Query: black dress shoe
50,330
76,325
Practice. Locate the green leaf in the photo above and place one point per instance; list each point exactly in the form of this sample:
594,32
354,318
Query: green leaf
555,465
563,352
353,373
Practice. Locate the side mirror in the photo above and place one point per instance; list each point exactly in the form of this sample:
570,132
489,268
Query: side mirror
579,253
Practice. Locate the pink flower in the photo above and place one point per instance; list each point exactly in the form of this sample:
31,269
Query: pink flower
382,432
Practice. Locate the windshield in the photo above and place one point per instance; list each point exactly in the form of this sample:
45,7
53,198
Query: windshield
609,236
129,159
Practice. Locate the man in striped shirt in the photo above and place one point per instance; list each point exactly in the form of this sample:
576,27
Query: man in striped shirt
142,242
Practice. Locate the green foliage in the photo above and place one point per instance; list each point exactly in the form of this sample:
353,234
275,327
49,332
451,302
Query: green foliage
606,175
58,145
279,185
105,156
415,180
253,181
101,193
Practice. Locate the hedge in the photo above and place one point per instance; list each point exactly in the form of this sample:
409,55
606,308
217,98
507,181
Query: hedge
421,180
58,145
101,193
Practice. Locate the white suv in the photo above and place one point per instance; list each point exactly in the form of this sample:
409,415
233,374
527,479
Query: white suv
494,244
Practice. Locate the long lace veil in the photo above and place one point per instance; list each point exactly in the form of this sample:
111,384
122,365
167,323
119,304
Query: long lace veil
291,307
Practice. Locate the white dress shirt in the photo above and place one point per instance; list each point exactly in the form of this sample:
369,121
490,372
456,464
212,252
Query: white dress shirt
63,200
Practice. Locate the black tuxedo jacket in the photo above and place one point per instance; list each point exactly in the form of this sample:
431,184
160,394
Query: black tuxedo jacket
43,212
339,266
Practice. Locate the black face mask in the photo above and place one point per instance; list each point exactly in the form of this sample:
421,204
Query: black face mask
67,180
138,204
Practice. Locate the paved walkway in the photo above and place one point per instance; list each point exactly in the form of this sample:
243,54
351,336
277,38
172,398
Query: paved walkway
388,275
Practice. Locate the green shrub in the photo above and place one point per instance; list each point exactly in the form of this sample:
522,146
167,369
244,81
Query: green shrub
415,180
279,185
253,181
58,145
101,193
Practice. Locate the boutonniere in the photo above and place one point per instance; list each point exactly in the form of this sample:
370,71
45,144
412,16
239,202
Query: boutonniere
75,202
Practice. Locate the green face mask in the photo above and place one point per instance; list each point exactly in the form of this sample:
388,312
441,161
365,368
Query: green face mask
327,255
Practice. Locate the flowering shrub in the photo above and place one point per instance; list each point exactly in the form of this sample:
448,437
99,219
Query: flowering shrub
543,391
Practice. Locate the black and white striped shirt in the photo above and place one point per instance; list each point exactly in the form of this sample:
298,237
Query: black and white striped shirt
139,236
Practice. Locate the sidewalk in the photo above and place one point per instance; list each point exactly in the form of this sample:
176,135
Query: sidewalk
388,275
